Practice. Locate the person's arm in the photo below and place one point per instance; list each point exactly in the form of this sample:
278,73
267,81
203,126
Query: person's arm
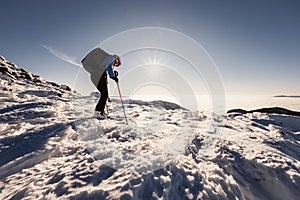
110,71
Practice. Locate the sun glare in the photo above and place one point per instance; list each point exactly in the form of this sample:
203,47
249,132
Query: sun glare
154,91
154,59
154,62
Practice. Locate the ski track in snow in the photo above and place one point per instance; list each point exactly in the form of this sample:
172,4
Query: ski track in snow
48,149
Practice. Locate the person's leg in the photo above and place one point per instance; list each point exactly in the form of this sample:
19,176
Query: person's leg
102,87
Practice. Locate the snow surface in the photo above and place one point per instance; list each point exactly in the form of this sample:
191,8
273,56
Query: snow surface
52,148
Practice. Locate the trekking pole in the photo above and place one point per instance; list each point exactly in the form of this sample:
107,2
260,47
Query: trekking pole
107,110
122,102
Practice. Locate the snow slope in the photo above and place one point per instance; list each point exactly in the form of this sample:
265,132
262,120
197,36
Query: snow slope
52,148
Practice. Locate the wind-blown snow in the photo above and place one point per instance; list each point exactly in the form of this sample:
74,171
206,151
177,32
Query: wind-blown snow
49,148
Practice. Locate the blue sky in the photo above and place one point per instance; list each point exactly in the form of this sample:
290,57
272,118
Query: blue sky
255,44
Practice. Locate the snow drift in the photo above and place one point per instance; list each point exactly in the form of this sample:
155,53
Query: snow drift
47,152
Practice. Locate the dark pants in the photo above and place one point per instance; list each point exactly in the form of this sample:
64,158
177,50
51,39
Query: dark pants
102,87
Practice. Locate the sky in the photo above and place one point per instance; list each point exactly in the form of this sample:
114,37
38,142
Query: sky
255,44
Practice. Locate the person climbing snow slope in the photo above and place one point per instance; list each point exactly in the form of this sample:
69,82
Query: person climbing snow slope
98,63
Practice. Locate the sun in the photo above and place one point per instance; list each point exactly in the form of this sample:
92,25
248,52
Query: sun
154,62
154,58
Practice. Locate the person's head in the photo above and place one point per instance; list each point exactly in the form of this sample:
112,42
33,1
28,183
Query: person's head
117,61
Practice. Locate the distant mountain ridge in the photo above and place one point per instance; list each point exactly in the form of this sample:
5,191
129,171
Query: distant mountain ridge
287,96
273,110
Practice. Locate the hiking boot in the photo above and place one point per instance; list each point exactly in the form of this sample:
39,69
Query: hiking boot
100,115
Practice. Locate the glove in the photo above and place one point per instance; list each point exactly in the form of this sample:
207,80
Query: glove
116,73
115,79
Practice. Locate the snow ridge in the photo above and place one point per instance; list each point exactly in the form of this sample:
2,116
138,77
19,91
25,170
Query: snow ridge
255,155
9,71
